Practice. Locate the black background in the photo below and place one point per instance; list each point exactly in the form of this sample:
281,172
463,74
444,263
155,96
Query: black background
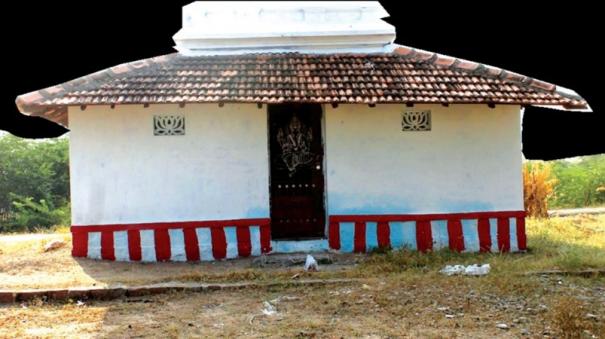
48,43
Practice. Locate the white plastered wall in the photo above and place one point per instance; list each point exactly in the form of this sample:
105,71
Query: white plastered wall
470,161
122,173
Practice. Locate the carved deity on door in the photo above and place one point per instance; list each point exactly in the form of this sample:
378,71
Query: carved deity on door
295,142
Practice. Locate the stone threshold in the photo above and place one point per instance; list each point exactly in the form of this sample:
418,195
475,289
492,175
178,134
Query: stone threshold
117,292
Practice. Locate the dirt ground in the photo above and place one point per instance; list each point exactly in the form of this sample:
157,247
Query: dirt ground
25,265
395,294
399,306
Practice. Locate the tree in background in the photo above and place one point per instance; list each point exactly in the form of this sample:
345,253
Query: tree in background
34,183
580,183
567,183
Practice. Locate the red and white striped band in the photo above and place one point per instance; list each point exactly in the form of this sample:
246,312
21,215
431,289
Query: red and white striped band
502,231
471,232
173,241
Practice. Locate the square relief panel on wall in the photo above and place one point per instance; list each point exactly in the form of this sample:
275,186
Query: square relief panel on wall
168,125
416,121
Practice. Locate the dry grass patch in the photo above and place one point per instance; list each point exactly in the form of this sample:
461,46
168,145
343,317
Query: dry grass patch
38,320
24,264
572,319
407,305
538,187
571,243
398,294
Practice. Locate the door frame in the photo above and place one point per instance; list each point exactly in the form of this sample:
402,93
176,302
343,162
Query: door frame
322,123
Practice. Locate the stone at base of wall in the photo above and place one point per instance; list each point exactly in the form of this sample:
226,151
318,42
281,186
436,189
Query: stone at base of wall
500,231
294,246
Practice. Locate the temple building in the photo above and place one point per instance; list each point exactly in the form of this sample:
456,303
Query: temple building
294,126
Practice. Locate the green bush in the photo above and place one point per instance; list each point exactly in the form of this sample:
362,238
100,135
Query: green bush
34,183
30,215
580,183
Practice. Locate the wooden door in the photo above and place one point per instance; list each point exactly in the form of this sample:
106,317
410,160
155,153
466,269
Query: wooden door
297,175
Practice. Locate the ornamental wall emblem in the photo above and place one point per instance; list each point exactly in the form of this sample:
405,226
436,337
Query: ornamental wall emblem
416,121
295,142
168,125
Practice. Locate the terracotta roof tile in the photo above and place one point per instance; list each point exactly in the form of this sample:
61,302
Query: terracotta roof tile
404,76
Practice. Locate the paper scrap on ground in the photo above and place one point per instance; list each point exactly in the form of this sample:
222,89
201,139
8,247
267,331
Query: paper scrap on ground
466,270
311,264
269,309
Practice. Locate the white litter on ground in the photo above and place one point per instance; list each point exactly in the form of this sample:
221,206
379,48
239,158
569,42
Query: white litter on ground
269,309
502,326
466,270
311,264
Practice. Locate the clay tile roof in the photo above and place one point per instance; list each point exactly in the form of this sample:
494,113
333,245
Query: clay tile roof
406,75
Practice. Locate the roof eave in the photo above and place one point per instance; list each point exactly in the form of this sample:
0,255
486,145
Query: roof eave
36,103
58,113
570,108
54,113
29,103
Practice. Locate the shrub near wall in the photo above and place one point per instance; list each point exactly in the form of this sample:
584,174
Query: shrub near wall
34,183
563,183
538,188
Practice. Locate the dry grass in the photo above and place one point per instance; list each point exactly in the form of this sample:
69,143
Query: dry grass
401,305
571,243
569,316
24,264
401,294
51,321
538,187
